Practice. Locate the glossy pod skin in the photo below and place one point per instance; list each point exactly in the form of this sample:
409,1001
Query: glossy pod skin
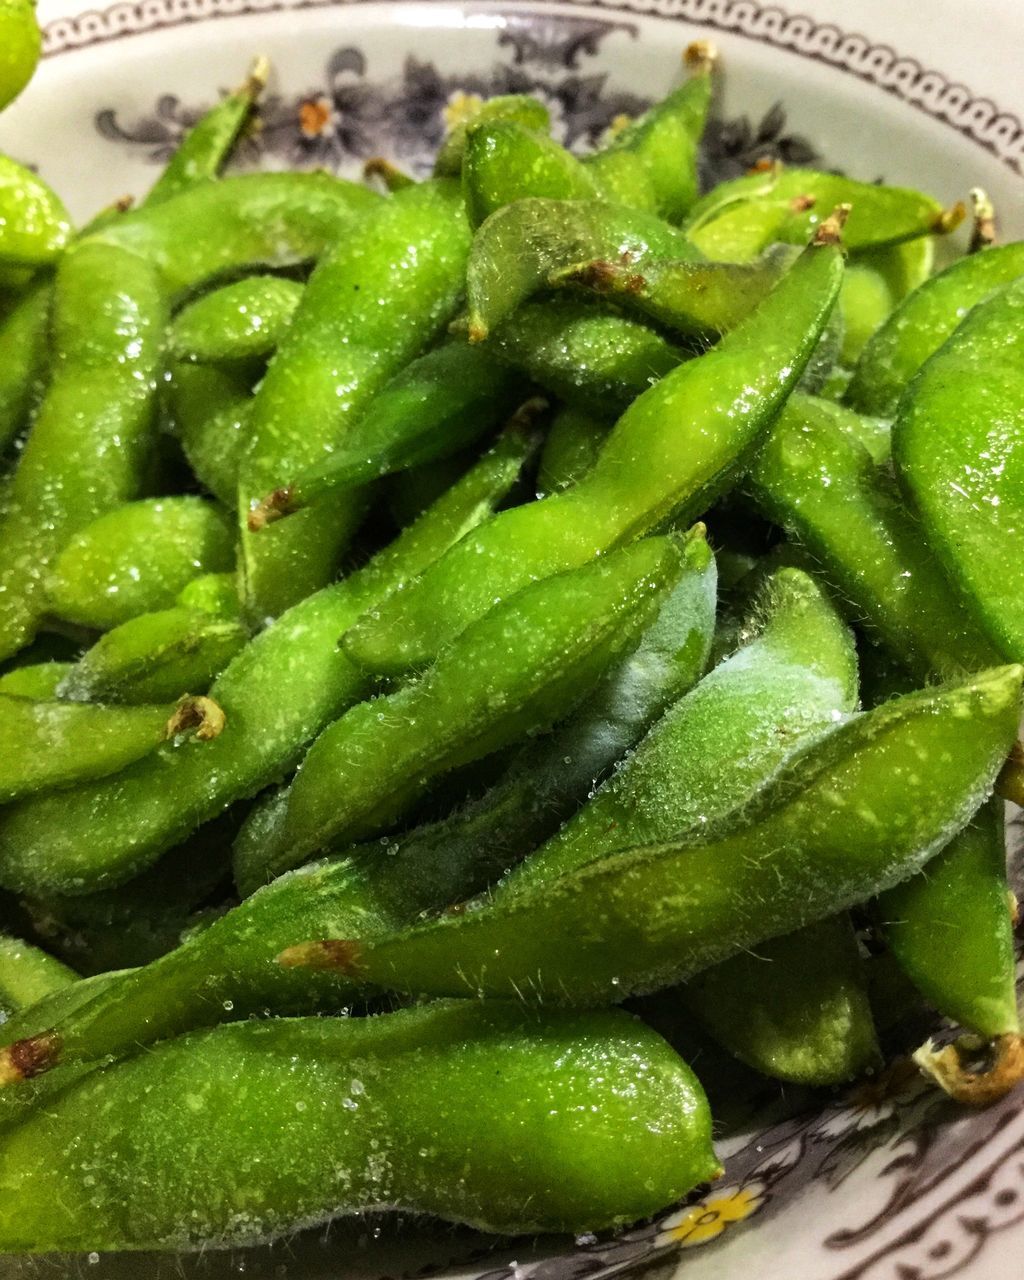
958,451
91,438
867,542
437,405
483,1114
34,225
644,474
951,929
240,223
23,360
373,303
794,677
137,558
155,657
229,971
517,107
282,689
37,680
737,220
49,744
845,818
596,361
923,322
523,245
877,280
243,320
571,447
513,673
211,410
20,45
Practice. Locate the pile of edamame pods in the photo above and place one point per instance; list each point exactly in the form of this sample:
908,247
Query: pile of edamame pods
450,627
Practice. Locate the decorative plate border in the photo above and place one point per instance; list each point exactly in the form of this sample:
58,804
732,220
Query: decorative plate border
979,119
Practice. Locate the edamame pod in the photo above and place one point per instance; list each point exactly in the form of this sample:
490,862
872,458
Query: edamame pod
374,302
212,415
20,45
27,975
214,593
571,447
923,322
245,320
846,817
951,930
44,745
34,225
155,657
958,450
517,107
478,1113
738,219
597,361
229,971
876,281
283,688
205,148
505,161
90,441
646,471
37,680
815,480
238,224
523,245
137,559
515,671
24,359
437,405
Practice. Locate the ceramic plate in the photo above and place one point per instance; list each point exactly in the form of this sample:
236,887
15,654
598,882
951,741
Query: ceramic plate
887,1182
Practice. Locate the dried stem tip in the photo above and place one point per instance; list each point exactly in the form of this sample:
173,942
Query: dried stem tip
200,716
393,178
278,503
29,1057
949,219
983,212
256,81
831,228
335,955
974,1088
700,56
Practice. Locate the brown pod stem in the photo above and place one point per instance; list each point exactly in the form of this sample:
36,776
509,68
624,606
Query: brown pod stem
200,716
29,1057
982,1087
983,213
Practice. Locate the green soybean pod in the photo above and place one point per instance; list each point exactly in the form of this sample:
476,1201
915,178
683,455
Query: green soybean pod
24,359
137,559
238,224
215,593
283,688
644,474
951,929
155,657
958,451
595,361
229,971
876,281
244,320
205,148
37,680
795,676
50,744
505,161
571,448
522,245
847,817
211,408
662,144
822,486
92,436
423,1108
27,974
34,225
437,405
740,218
20,45
923,322
372,304
513,673
520,108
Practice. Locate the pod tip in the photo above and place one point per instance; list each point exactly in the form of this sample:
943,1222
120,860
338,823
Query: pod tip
29,1057
700,56
830,229
200,716
983,215
950,1068
256,81
949,219
277,503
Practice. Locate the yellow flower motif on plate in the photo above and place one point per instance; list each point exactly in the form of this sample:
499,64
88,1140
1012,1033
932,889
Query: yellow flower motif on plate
461,108
708,1218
